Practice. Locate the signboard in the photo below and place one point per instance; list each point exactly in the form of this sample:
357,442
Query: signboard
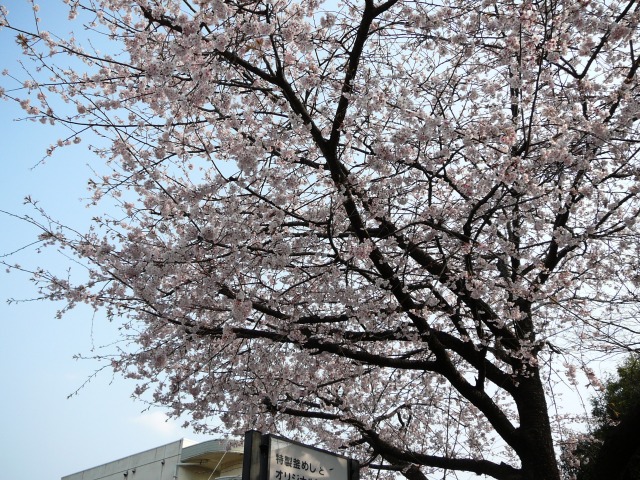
293,461
270,457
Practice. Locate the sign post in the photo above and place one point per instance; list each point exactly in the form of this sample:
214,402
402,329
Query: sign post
271,457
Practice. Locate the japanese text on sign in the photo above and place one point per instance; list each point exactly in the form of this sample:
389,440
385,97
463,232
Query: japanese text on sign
291,461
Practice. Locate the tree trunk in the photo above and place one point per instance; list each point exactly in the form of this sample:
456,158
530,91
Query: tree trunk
536,447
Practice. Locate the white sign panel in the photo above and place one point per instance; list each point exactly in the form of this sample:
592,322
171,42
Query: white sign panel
291,461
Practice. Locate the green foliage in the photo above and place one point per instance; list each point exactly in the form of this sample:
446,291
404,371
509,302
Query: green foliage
620,397
619,402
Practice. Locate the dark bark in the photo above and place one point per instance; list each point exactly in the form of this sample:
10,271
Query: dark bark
535,448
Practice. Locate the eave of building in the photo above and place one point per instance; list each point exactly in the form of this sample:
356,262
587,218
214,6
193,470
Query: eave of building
216,455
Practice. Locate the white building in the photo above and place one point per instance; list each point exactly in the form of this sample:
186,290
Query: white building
181,460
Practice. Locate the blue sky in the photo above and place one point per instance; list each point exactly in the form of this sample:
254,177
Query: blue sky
43,434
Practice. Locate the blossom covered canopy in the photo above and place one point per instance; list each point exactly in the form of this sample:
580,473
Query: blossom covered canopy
388,226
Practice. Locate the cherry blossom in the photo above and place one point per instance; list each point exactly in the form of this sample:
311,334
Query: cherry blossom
388,227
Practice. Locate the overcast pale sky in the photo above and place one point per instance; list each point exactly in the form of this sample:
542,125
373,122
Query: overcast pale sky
43,434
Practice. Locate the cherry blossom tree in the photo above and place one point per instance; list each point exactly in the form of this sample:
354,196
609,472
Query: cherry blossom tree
393,227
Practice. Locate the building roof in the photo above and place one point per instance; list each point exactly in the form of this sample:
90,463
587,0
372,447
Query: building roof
213,459
216,455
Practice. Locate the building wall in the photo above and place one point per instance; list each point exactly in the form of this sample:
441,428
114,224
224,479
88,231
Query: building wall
159,463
